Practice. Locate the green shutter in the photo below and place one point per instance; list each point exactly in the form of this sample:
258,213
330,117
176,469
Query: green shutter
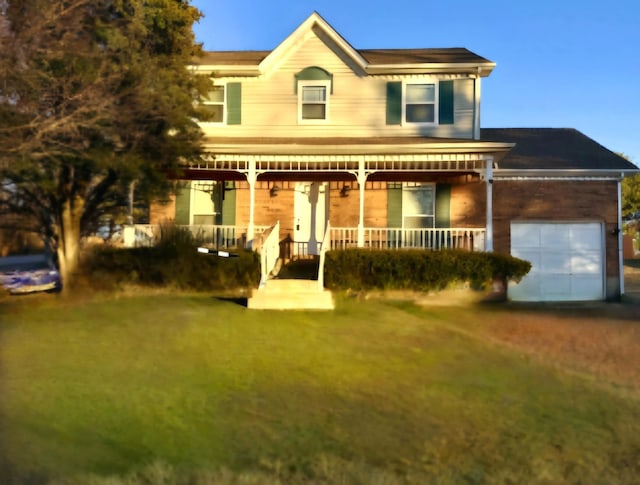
234,103
394,204
229,204
394,103
443,205
183,203
445,107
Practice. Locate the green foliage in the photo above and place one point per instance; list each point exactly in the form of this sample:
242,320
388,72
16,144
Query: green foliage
362,269
631,195
174,262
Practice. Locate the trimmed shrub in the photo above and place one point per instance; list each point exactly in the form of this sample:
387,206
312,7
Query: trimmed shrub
173,262
364,269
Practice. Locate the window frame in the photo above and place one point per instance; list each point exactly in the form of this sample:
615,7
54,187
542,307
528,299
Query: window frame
436,101
217,103
413,186
326,84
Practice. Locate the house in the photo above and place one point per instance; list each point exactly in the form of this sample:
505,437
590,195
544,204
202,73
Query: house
385,148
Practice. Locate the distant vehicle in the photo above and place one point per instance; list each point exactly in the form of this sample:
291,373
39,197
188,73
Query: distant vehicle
29,274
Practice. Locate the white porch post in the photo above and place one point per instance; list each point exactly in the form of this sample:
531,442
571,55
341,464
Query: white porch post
489,182
362,179
252,176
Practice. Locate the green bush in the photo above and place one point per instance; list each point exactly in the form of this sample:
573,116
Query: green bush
173,262
363,269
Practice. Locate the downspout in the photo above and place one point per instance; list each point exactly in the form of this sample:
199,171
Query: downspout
489,182
620,238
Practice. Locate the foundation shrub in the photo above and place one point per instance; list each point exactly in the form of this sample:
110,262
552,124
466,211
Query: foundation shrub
363,269
173,262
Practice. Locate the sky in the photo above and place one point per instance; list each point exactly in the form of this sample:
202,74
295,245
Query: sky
560,63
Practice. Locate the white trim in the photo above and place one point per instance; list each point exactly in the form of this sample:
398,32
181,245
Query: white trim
212,103
310,83
436,108
620,240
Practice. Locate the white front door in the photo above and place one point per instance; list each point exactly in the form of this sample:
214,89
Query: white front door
567,261
310,217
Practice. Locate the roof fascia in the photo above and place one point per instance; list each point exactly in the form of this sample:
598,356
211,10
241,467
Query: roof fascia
550,174
479,69
297,35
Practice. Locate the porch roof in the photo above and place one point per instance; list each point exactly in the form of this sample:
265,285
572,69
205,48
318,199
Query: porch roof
353,146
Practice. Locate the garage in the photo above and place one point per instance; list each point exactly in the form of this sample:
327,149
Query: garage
567,261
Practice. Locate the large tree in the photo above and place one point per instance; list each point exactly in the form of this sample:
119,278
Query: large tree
94,95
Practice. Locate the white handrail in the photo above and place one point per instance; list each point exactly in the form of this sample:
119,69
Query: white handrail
269,252
471,239
324,247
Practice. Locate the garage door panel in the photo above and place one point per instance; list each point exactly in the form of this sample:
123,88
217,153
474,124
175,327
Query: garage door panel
552,263
567,261
525,235
553,236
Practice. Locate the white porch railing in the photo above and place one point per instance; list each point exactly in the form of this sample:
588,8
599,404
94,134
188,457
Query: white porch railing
471,239
269,252
218,236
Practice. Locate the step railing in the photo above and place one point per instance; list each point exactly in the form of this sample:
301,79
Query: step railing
269,252
324,247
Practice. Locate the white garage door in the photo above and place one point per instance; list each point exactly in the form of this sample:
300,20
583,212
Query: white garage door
567,261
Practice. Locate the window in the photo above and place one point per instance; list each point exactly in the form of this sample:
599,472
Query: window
313,101
213,104
418,206
420,103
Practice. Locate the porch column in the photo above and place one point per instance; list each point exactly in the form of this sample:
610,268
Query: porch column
252,177
362,179
488,176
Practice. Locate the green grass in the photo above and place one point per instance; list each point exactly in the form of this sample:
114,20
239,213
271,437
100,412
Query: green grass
192,386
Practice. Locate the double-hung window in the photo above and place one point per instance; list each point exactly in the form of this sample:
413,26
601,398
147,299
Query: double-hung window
213,104
420,103
418,205
313,101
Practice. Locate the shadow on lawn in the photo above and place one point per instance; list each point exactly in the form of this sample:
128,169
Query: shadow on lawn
237,300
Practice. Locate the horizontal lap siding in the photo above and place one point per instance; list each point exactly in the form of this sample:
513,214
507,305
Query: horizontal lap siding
356,106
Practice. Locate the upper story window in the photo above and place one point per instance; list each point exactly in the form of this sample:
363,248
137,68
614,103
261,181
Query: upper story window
313,100
420,103
214,104
314,86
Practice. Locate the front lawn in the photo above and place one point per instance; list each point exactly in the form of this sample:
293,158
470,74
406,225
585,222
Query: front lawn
190,387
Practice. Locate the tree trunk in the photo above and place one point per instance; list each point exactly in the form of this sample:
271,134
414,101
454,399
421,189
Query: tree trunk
69,241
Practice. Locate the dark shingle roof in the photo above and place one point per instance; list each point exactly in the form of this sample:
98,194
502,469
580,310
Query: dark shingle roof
455,55
554,148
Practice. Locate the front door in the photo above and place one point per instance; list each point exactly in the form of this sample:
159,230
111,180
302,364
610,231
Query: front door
310,217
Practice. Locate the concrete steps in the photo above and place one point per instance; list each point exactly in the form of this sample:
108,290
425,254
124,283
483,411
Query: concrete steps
291,294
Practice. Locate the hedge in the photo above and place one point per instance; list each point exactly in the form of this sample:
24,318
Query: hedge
364,269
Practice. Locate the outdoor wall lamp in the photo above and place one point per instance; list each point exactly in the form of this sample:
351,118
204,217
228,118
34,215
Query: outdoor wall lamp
344,191
273,191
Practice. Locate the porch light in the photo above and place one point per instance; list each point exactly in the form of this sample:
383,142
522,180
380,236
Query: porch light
344,191
273,191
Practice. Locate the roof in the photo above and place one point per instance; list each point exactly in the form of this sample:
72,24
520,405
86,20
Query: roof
554,149
454,55
373,61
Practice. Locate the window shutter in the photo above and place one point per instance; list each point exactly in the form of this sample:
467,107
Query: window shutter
229,203
234,103
394,204
394,103
445,108
443,205
183,204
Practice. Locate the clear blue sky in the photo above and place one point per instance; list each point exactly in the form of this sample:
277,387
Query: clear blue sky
560,63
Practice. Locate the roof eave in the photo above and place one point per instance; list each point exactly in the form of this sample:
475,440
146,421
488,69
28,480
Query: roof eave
537,174
482,70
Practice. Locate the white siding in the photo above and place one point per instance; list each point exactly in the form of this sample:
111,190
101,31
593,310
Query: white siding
357,106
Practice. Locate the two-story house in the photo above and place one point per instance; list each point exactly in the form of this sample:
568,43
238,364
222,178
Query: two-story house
386,147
